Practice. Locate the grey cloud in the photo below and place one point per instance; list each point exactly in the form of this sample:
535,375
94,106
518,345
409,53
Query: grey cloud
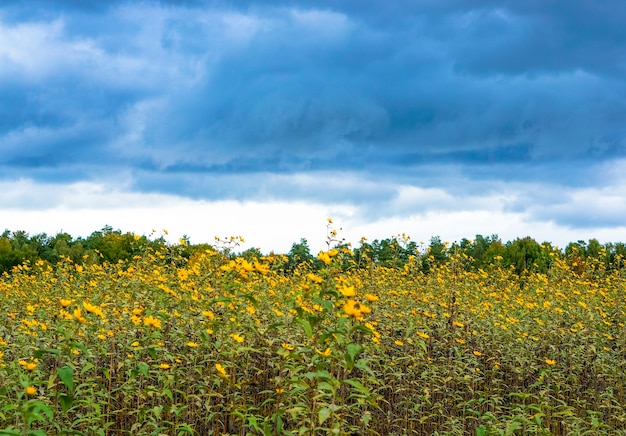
185,93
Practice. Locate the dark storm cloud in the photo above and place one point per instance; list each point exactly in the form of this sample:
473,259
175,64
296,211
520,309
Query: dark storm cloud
183,94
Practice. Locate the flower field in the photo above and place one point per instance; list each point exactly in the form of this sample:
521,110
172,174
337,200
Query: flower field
213,344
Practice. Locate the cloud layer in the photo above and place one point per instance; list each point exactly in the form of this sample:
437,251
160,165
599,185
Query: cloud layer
392,108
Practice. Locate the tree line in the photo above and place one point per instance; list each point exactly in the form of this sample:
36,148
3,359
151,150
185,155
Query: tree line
113,246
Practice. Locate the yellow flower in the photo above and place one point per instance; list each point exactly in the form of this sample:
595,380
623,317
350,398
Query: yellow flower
371,297
31,365
279,390
261,269
550,361
423,335
78,316
192,344
151,321
398,343
220,369
325,353
355,309
164,366
324,257
477,353
347,291
91,308
65,302
314,278
134,344
287,346
31,390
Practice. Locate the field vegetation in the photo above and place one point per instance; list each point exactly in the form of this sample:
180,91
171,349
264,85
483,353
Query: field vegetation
390,338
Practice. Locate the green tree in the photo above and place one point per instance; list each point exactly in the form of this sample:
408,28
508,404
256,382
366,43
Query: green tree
299,254
525,254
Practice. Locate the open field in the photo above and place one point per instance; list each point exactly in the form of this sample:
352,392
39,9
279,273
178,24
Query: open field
217,345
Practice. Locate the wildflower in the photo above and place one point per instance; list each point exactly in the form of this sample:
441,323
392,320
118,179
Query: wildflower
191,344
324,257
279,390
246,266
151,321
398,343
31,390
261,269
355,309
477,353
91,308
164,366
134,344
78,316
287,346
236,337
423,335
347,291
220,369
314,278
324,353
371,298
31,365
550,361
65,302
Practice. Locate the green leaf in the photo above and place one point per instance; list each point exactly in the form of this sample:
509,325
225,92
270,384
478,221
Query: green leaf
306,325
40,352
88,366
353,350
323,414
143,368
79,346
356,384
66,374
512,427
66,402
168,394
184,429
325,386
481,430
325,375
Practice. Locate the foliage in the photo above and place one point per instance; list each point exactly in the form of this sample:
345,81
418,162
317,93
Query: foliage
383,339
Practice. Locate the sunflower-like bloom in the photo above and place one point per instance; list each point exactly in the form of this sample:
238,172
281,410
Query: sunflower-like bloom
355,309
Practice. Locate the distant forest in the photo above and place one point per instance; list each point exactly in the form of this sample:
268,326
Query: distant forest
114,246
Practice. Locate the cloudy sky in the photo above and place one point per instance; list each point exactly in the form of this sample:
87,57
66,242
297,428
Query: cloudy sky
262,118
